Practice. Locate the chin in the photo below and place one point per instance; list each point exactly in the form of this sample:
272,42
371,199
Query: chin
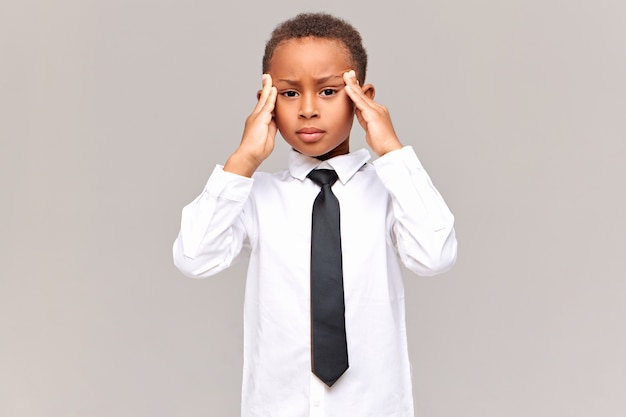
316,153
319,150
308,149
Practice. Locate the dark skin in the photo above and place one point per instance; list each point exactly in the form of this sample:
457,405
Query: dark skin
311,95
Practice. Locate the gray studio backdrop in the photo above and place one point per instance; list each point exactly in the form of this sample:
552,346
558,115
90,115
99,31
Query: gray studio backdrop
113,114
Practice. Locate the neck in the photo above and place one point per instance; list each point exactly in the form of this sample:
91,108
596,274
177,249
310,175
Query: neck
342,149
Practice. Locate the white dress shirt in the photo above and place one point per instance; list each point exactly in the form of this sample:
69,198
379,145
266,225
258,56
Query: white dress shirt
389,210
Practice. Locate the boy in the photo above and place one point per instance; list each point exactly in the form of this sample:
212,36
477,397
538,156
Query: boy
313,86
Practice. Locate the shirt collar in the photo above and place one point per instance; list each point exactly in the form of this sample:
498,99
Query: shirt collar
345,165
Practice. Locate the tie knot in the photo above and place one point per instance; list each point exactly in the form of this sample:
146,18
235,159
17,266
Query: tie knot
323,176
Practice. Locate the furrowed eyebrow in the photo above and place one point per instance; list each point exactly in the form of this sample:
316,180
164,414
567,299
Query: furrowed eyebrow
326,79
321,80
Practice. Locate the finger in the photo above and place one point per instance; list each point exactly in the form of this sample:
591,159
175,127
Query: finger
361,101
349,77
267,85
270,102
265,92
359,117
355,91
272,131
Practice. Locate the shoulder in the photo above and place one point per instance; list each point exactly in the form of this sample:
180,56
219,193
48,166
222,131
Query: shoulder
365,182
264,182
367,173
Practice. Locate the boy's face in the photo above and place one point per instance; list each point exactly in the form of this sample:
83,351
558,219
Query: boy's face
313,112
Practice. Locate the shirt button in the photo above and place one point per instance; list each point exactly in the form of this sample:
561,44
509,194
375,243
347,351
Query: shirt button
316,403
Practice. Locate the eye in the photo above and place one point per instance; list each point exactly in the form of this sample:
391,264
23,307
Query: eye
289,94
328,92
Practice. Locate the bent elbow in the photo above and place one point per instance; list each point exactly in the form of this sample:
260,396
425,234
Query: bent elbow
192,267
437,260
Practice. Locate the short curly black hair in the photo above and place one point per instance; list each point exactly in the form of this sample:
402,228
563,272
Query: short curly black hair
320,25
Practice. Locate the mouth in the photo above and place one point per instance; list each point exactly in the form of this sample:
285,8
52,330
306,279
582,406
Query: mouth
310,134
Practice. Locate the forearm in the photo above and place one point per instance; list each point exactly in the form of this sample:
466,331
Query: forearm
212,233
422,224
212,259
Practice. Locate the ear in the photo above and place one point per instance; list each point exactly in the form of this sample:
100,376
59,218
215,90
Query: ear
369,90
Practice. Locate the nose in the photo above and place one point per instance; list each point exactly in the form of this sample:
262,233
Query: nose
308,107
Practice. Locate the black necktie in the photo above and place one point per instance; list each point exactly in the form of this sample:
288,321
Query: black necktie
329,350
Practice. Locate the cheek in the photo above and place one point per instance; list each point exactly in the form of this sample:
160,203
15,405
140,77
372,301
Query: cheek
285,106
348,110
281,113
349,105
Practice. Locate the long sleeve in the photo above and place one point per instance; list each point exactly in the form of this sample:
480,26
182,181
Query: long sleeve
212,233
390,213
422,224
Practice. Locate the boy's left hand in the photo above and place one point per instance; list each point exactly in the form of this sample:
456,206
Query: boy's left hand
373,117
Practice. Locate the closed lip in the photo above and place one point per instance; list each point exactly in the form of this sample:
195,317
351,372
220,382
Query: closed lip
310,134
309,130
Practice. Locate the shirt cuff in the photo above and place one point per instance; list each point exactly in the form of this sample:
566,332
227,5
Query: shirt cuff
397,163
228,185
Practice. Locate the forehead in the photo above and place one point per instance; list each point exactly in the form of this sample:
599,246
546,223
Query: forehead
309,56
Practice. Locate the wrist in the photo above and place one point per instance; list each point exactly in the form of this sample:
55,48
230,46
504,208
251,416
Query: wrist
388,146
241,163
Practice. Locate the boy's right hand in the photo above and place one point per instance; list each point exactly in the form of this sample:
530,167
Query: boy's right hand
259,133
